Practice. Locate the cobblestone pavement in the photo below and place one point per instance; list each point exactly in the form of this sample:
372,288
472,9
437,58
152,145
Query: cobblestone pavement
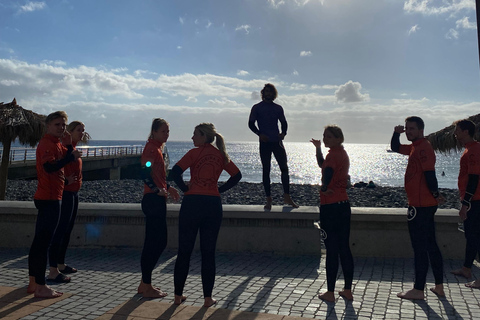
263,283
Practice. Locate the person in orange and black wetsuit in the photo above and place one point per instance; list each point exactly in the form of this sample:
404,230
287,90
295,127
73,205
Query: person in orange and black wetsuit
201,208
51,156
154,205
335,211
421,187
69,208
469,187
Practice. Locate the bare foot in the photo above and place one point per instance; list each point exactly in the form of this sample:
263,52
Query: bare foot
31,285
179,299
148,291
474,284
53,274
327,296
347,294
268,205
438,290
209,302
463,272
45,292
288,200
412,294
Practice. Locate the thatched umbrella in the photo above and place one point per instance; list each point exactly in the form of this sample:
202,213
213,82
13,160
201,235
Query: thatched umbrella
16,122
444,140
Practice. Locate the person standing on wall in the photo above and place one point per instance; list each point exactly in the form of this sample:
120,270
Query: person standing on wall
267,114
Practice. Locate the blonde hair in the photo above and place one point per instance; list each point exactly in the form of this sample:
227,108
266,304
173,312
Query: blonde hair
208,130
157,123
336,131
72,125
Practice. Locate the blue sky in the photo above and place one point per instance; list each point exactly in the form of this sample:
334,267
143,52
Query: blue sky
363,65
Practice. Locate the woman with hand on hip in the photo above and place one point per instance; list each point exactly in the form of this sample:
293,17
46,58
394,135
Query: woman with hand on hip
69,208
201,209
154,205
335,211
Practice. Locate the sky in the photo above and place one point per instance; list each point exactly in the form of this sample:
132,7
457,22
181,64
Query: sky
362,65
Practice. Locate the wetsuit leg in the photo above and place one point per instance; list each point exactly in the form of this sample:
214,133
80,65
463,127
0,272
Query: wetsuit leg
281,157
188,224
472,234
420,237
434,253
266,158
346,258
66,212
66,238
209,228
155,209
328,222
47,220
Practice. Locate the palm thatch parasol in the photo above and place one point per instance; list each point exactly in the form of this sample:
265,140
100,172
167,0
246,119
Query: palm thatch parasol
444,140
17,123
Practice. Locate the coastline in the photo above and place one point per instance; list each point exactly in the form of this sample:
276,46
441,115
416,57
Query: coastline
245,193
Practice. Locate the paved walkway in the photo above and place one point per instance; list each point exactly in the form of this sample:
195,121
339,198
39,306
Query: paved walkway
261,286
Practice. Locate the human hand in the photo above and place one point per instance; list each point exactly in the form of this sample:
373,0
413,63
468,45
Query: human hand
399,129
316,143
281,136
162,192
77,154
173,194
463,212
440,199
263,137
328,192
71,179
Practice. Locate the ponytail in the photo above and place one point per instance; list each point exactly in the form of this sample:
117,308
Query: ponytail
211,134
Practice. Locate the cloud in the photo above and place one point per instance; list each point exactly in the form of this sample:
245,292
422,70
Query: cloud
452,34
350,92
427,7
209,24
242,73
295,72
244,27
9,83
179,47
464,23
325,87
181,20
306,54
413,29
32,6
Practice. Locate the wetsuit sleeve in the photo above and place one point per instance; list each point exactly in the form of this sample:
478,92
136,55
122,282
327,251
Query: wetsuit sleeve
471,188
176,176
57,165
320,158
251,122
231,182
395,142
432,182
327,176
283,123
147,178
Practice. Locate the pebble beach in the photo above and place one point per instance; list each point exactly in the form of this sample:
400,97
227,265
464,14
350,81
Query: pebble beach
245,193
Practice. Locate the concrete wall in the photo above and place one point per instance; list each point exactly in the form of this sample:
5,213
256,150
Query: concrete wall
379,232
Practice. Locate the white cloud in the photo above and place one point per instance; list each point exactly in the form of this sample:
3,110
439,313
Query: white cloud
452,34
179,47
244,27
427,7
306,54
242,73
182,21
350,92
295,72
209,24
56,62
465,24
413,29
325,87
32,6
9,83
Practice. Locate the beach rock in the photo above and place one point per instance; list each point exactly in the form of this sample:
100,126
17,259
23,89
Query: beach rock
131,191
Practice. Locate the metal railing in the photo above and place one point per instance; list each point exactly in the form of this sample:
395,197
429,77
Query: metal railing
18,155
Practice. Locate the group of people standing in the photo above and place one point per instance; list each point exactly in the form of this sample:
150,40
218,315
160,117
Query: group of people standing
59,179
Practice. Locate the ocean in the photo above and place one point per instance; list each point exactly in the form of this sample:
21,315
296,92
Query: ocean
368,162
